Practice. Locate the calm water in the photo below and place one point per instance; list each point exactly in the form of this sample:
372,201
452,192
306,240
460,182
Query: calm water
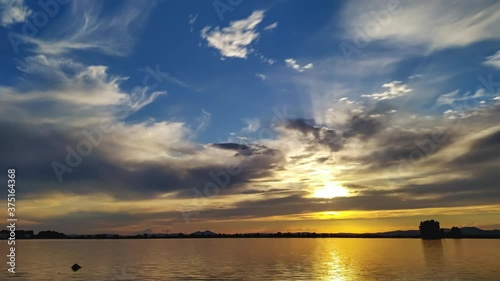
257,259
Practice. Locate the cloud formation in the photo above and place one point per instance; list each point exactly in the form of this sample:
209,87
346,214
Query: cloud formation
13,11
421,24
394,90
493,60
86,27
292,63
235,39
271,26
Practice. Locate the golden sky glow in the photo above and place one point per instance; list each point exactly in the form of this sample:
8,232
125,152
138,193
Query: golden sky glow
245,124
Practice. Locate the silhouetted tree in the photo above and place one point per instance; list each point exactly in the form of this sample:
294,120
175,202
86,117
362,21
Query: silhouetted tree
49,234
430,229
455,232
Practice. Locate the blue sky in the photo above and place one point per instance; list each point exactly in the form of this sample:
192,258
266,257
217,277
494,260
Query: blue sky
345,87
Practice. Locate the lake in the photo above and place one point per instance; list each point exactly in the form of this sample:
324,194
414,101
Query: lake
337,259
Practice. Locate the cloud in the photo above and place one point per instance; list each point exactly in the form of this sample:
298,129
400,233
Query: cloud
493,61
316,134
261,76
13,11
234,40
203,121
265,59
463,101
421,24
71,108
253,125
246,149
192,20
482,150
87,27
394,90
292,63
271,26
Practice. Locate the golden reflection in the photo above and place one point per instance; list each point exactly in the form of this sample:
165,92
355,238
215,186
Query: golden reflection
330,264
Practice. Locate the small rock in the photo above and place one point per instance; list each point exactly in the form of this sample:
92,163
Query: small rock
75,267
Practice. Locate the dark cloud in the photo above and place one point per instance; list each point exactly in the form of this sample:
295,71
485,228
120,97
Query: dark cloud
32,153
362,126
246,149
322,135
298,204
395,146
481,151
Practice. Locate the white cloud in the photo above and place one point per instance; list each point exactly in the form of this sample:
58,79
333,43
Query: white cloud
203,121
292,63
79,93
394,90
192,20
234,40
253,125
432,25
493,60
271,26
466,99
265,59
415,76
140,97
261,76
13,11
86,27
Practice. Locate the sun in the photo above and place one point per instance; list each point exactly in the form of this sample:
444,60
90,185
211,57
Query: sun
331,190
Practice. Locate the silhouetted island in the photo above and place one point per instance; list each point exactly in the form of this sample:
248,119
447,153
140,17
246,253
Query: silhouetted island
427,230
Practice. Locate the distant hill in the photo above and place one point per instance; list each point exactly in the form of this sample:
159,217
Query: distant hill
204,233
400,233
466,231
480,232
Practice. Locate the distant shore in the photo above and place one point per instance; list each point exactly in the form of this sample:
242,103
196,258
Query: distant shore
409,234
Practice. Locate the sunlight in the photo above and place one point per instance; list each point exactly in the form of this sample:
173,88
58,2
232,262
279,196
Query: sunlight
331,190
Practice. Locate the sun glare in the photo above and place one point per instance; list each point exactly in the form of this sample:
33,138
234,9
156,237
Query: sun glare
331,190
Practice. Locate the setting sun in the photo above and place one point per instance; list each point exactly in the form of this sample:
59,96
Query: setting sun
331,190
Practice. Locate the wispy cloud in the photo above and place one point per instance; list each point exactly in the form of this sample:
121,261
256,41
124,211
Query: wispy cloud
261,76
234,40
421,23
85,27
253,125
203,121
271,26
394,90
192,20
13,11
292,63
494,60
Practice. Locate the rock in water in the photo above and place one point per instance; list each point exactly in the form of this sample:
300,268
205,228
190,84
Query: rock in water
75,267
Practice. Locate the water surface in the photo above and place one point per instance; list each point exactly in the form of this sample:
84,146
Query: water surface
337,259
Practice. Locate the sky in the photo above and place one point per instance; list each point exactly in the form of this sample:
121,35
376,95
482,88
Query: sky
250,116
